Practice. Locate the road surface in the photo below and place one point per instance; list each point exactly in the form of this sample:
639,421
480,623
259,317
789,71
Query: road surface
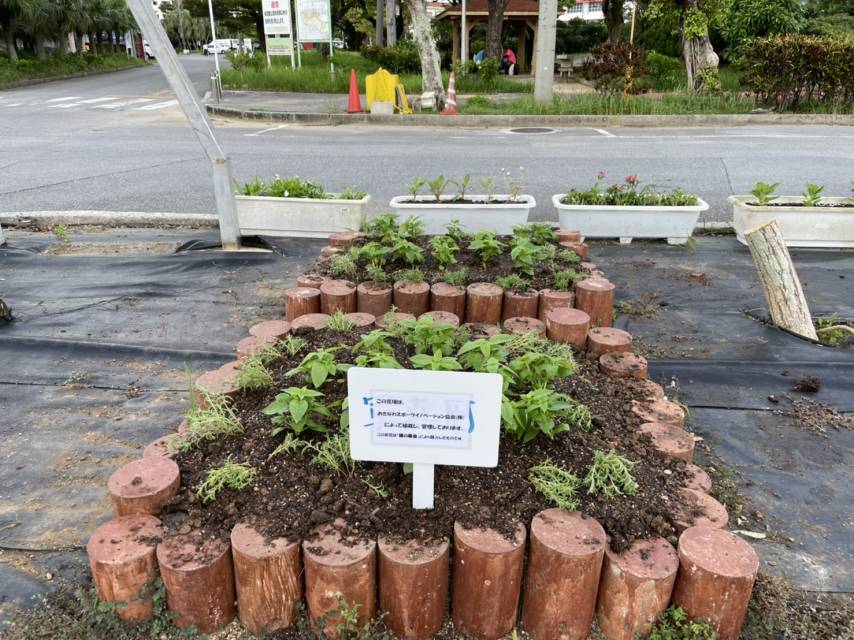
119,142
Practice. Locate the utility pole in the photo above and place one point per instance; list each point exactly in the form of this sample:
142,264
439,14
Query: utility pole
229,229
464,40
391,23
544,74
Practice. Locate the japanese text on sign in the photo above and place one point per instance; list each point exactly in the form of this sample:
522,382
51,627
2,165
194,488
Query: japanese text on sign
422,420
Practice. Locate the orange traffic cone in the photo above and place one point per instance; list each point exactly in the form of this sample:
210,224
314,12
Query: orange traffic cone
354,105
451,102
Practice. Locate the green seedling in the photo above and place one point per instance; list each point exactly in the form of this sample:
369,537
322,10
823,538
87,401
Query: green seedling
444,250
407,252
513,282
540,411
343,266
436,362
537,370
374,342
298,409
254,374
568,256
320,365
812,194
291,444
378,489
211,419
674,624
524,254
486,245
376,273
338,321
764,193
558,485
382,228
410,275
455,230
61,233
456,278
565,280
412,227
414,187
610,475
429,336
229,475
437,187
292,345
374,253
333,453
462,186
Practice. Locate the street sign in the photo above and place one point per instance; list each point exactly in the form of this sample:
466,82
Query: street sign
278,29
424,418
314,20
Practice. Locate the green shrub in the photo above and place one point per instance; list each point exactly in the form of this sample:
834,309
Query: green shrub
401,58
665,73
579,36
294,187
795,71
242,60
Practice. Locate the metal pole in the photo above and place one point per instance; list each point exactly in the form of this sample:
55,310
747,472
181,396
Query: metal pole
2,237
627,84
464,45
546,34
213,38
194,110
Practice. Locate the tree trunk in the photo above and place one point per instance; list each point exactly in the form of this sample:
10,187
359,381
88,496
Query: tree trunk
9,37
422,33
779,280
493,47
697,51
391,23
93,43
613,10
62,44
38,45
78,43
379,39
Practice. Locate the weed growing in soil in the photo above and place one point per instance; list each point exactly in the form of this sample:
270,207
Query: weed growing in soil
565,280
320,365
378,489
61,233
568,256
292,345
297,408
539,411
382,228
376,273
428,336
833,331
486,355
455,230
333,453
514,283
540,233
610,475
411,228
558,485
343,266
436,362
291,444
229,475
444,249
410,275
537,369
487,246
524,254
254,374
456,278
217,419
407,252
674,624
338,321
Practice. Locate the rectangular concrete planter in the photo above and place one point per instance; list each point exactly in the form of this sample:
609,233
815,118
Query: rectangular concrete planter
299,217
500,215
676,224
818,227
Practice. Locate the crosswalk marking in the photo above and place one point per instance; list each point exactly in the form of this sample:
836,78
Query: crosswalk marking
65,99
159,105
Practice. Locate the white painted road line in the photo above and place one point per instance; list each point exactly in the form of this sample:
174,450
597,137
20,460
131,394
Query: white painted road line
263,131
94,100
605,133
158,105
65,99
65,105
124,103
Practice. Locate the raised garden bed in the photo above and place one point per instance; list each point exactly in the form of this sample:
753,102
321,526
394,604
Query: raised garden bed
260,448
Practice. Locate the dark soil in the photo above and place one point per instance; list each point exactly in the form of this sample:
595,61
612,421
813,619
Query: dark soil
291,496
542,277
821,205
814,416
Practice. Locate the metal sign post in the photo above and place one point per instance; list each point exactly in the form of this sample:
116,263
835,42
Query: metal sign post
278,29
229,229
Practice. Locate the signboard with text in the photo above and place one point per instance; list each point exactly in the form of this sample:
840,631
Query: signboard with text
314,20
277,27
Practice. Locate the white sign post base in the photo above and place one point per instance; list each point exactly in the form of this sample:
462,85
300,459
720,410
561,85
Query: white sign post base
422,485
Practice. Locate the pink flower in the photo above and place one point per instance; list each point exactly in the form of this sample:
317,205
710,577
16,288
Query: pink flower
632,180
600,174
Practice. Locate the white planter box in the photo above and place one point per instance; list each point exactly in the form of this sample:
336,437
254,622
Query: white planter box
499,216
676,224
820,227
299,217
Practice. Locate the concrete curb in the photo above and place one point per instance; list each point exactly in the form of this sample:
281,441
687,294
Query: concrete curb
115,218
432,120
17,84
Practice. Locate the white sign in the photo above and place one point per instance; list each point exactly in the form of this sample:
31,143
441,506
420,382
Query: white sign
277,17
314,20
424,418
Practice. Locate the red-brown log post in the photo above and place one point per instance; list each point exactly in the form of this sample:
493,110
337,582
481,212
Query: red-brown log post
483,302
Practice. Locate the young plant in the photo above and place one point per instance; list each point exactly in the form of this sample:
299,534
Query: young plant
764,193
485,355
437,187
488,186
546,252
376,273
407,252
537,369
428,336
513,282
558,485
338,321
61,233
455,230
538,411
292,345
351,193
610,475
456,278
229,475
319,365
487,246
291,444
411,228
524,254
298,409
444,249
515,186
462,186
539,233
376,352
333,453
414,187
377,361
378,489
674,624
568,256
410,275
382,228
254,374
343,266
564,280
812,194
374,253
212,419
436,362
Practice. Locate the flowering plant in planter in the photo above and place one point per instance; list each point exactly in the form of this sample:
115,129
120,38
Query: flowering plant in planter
625,211
296,207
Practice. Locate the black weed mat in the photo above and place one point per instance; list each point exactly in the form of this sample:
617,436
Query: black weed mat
92,369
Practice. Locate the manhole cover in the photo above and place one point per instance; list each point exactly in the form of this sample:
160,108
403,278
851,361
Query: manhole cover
532,130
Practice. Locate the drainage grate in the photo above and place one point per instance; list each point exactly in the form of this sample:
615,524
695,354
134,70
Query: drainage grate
532,130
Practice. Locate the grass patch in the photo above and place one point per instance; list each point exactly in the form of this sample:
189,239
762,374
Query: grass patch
55,66
315,77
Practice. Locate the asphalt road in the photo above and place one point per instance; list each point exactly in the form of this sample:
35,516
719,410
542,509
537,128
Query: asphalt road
119,142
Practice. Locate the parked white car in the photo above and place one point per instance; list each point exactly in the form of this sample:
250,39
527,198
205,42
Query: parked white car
220,46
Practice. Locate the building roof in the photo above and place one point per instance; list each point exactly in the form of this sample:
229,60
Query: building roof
529,8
